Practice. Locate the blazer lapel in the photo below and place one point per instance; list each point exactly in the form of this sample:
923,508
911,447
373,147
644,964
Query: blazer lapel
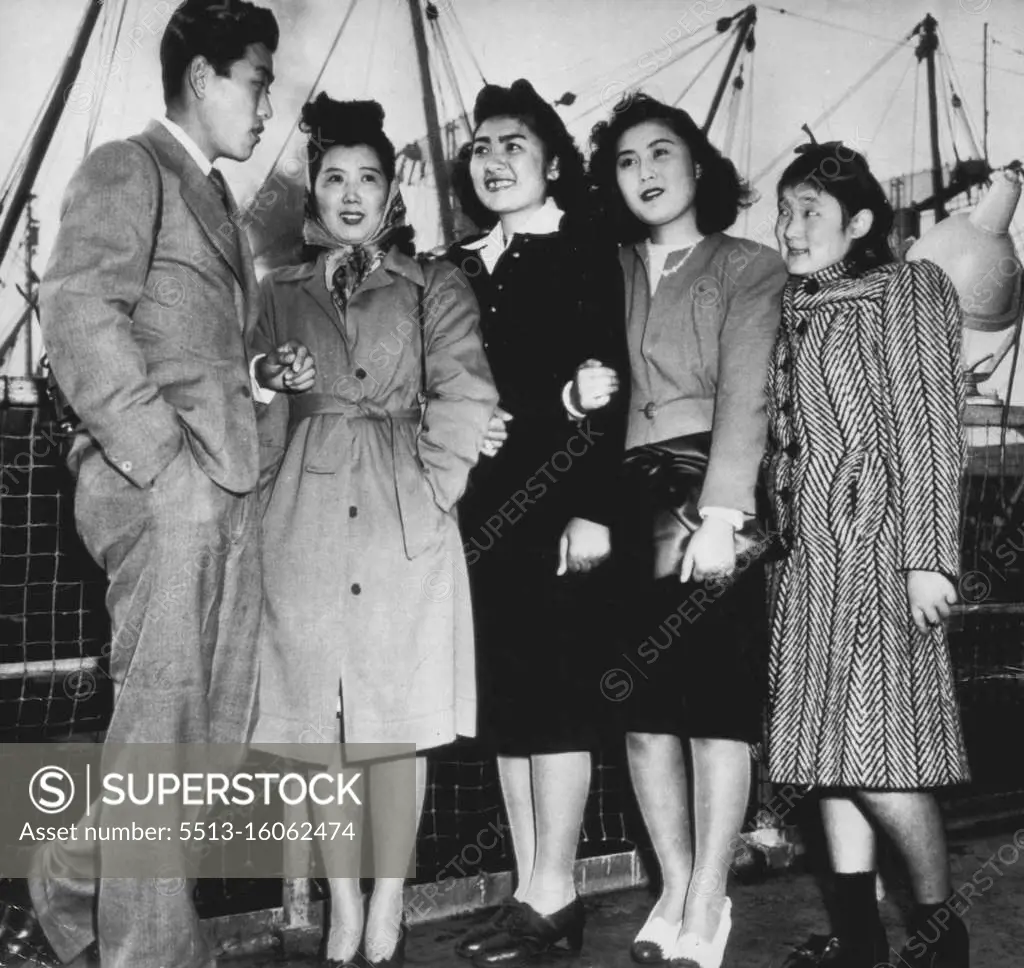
201,198
204,203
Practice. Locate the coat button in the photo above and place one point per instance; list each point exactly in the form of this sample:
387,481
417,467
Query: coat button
356,588
360,374
793,448
785,493
801,327
352,511
812,287
787,406
785,365
501,286
126,466
515,255
649,410
494,309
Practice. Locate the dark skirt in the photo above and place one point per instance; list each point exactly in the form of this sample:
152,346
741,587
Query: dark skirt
540,645
691,659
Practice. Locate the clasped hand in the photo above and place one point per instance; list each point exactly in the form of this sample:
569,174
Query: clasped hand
289,368
931,595
593,386
496,433
711,552
584,545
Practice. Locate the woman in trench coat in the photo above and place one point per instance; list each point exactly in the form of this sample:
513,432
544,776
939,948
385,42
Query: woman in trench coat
365,637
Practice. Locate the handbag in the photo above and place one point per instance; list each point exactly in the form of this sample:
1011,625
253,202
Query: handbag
666,479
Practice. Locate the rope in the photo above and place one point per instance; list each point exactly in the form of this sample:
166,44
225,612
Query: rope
913,128
733,112
892,101
444,53
748,160
94,116
373,47
944,81
830,111
726,42
951,69
309,95
605,84
450,9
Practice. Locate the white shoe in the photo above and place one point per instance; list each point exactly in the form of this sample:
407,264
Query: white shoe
655,942
691,951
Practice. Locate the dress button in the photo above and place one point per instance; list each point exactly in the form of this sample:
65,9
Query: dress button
360,374
792,449
812,286
126,466
352,511
356,589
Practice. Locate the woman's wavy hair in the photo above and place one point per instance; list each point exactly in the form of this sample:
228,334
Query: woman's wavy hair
522,102
844,174
329,124
721,193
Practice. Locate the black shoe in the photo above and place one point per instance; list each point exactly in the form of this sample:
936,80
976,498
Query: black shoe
529,935
829,951
935,945
22,939
475,939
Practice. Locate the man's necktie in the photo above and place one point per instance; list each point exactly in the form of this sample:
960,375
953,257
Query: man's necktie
220,186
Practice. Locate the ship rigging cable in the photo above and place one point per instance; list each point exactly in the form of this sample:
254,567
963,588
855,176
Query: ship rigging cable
316,83
111,44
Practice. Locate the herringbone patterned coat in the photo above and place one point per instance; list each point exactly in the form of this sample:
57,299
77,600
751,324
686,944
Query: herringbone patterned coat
867,450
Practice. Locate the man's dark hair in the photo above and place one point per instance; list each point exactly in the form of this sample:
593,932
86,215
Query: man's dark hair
219,30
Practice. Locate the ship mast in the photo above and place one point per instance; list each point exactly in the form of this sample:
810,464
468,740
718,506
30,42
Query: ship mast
746,25
47,126
434,141
926,49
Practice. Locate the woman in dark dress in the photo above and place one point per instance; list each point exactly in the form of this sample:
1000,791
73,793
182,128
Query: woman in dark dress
534,518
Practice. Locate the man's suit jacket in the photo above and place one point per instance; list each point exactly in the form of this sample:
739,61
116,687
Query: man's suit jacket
145,306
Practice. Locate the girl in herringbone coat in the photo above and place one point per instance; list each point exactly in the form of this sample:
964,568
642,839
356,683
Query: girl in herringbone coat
865,402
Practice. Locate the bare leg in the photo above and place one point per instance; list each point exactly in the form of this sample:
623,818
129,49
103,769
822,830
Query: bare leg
914,823
561,782
517,790
721,778
384,919
849,834
658,772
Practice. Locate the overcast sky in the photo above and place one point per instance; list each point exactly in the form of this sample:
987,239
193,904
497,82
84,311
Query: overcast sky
805,61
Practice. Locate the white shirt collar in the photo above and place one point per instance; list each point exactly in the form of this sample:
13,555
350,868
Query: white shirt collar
182,137
545,221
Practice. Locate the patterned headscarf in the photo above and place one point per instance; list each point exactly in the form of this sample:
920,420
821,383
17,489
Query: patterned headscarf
347,264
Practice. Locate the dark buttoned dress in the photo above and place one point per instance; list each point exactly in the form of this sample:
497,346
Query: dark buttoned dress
552,302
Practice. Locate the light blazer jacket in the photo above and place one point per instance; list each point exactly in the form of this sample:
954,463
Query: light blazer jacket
145,306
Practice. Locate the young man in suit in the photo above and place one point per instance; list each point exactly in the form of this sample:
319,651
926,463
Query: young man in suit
145,306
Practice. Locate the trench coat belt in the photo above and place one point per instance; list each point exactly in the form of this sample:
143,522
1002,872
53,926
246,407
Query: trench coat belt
411,489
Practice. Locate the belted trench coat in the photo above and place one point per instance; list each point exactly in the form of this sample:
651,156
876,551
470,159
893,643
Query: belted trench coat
367,634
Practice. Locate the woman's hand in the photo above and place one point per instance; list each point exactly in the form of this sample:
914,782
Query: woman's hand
711,552
593,386
496,433
289,368
584,545
931,596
